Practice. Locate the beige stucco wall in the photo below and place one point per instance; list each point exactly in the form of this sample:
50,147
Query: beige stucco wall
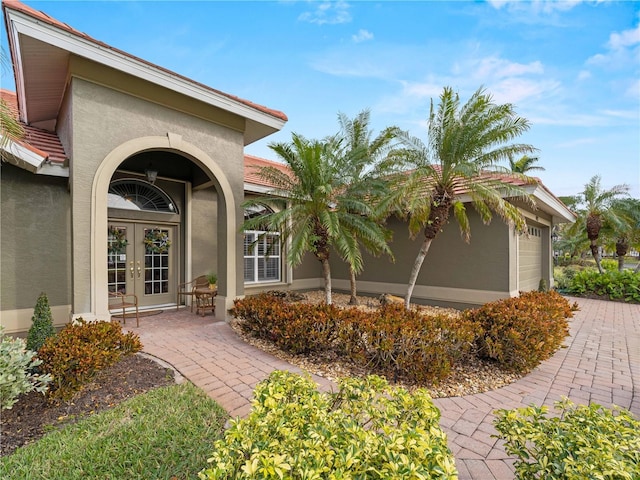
102,121
204,214
35,236
454,272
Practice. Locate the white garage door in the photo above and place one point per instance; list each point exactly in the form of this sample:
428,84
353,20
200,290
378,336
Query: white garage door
530,260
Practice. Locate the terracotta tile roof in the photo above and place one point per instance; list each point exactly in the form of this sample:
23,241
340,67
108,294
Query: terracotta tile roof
252,166
18,6
44,143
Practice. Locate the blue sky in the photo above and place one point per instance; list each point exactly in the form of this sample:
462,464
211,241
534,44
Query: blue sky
571,68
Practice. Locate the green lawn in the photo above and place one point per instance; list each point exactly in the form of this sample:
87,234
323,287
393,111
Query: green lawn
167,433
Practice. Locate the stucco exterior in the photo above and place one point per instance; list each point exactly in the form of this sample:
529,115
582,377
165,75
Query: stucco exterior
107,114
35,234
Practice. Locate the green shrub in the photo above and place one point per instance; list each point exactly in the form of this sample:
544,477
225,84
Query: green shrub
584,442
365,430
521,332
614,285
16,371
609,265
41,324
80,350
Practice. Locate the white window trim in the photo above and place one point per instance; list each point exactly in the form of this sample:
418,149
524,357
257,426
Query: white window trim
256,258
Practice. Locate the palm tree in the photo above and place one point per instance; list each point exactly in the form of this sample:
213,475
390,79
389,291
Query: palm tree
10,128
464,145
365,168
313,207
524,164
598,211
628,233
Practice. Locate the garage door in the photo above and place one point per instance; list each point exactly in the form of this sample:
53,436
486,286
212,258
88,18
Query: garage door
530,259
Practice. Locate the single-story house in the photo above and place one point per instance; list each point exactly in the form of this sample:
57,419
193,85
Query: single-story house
497,263
131,177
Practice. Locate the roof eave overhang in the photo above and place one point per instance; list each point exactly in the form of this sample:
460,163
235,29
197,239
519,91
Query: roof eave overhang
544,200
550,204
256,188
29,159
258,124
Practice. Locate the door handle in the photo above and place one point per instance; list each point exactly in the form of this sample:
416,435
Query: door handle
131,268
139,269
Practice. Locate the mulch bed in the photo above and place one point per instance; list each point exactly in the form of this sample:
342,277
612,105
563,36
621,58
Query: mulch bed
28,419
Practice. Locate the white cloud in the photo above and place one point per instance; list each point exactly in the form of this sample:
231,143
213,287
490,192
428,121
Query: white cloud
576,142
327,12
362,36
536,6
622,50
626,38
584,75
634,89
493,67
622,114
521,90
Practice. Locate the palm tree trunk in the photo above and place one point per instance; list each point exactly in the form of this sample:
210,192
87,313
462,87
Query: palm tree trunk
352,279
417,265
596,254
622,247
326,273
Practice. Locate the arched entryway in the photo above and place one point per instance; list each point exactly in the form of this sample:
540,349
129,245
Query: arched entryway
143,241
178,228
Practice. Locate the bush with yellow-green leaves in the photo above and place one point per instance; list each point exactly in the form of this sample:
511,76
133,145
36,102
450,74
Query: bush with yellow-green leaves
367,429
583,442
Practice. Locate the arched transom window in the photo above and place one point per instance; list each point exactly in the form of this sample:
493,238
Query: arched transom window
134,194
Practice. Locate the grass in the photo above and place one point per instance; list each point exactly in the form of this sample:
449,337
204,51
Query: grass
167,433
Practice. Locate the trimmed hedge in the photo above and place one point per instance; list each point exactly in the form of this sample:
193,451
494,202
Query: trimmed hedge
392,341
409,345
80,350
400,343
365,430
41,324
521,332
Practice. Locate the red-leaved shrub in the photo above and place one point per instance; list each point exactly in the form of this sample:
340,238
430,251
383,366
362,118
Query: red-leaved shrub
521,332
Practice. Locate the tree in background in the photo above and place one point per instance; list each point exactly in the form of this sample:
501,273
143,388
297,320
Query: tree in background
524,165
628,233
596,210
464,145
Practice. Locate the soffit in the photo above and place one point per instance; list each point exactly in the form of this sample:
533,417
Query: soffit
45,77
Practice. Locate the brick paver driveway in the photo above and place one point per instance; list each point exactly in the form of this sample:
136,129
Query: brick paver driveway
600,364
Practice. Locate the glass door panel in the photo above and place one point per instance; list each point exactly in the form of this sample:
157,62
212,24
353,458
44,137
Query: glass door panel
118,250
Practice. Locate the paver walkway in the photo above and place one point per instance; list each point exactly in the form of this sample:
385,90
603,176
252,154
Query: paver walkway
600,364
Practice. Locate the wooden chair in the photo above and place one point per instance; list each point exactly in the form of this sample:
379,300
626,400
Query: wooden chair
121,302
188,289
